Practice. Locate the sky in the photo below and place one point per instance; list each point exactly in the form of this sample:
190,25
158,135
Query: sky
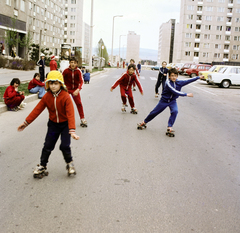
144,17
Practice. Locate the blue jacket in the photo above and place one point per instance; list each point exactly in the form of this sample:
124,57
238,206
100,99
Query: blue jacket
163,71
172,90
86,77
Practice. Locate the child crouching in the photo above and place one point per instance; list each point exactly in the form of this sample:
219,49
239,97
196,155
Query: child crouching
61,122
36,86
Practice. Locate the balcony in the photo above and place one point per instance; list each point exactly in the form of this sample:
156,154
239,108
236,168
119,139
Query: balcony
229,14
199,12
197,40
228,33
34,14
196,49
226,50
65,36
228,23
198,31
198,21
200,3
227,42
225,59
230,5
34,28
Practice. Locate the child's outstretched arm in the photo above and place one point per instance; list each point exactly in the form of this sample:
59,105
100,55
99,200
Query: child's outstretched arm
21,127
74,136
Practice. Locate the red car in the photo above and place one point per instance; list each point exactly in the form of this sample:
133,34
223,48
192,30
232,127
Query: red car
184,67
194,69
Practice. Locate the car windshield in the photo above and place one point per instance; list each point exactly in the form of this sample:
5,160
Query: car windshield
193,66
222,70
212,68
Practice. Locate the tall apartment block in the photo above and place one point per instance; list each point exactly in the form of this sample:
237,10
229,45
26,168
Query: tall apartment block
166,42
73,24
209,30
133,46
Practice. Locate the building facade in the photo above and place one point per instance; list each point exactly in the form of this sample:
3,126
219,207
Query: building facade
133,46
166,42
209,30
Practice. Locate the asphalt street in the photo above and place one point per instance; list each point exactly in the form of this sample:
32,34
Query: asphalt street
128,180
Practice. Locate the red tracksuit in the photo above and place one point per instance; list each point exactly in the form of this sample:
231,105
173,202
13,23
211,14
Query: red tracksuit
12,98
126,81
73,80
53,65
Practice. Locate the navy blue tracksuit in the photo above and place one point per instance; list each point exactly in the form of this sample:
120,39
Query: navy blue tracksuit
170,93
161,79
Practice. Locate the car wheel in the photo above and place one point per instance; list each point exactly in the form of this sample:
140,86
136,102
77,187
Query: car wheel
225,84
193,75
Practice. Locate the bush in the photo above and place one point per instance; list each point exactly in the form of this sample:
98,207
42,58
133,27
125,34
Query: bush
18,64
3,62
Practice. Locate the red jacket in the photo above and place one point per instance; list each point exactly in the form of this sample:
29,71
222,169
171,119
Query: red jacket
60,108
73,78
10,93
34,82
53,65
126,81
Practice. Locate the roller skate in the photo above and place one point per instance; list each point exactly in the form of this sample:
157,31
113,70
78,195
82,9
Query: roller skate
124,107
83,123
156,95
170,132
71,169
134,89
40,171
134,111
142,125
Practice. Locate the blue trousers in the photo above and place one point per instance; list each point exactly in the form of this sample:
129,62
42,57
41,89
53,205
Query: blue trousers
160,107
37,89
53,133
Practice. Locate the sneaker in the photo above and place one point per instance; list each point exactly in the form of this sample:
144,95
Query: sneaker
71,169
83,122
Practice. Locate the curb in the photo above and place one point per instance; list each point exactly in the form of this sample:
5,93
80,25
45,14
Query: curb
32,97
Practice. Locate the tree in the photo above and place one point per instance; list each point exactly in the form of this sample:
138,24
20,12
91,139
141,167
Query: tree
102,52
34,53
26,42
11,38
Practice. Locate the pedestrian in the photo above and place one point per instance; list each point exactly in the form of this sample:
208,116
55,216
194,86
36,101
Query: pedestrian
41,64
74,82
123,64
86,76
169,97
53,63
125,82
134,84
139,66
162,75
61,122
36,86
14,52
12,97
58,62
2,50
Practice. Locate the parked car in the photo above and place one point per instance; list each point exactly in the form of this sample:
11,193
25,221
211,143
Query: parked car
170,65
226,76
178,66
213,69
155,67
185,67
195,69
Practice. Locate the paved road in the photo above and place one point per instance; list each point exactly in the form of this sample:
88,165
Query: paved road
128,180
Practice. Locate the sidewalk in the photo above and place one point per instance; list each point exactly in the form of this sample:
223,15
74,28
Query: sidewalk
32,97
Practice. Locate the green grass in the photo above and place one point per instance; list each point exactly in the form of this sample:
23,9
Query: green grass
22,87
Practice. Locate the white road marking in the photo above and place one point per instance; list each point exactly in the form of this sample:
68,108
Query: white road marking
202,89
142,77
153,78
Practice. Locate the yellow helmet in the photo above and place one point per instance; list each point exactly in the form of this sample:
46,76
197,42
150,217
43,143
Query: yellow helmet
54,76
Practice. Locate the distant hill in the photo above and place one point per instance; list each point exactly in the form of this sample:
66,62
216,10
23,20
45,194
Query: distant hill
145,54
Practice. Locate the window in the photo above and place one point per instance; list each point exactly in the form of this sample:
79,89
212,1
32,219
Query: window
235,57
72,33
234,71
196,54
188,35
72,25
228,29
216,55
208,18
225,55
217,46
219,28
238,10
73,17
220,18
198,26
197,36
30,6
8,2
207,36
190,7
196,45
206,45
237,20
235,47
209,8
227,38
199,8
187,44
22,5
189,16
187,53
73,9
199,17
222,1
209,1
229,10
189,26
207,27
205,54
218,37
226,46
237,29
237,38
73,1
220,9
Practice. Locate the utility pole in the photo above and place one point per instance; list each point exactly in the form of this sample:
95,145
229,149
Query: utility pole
91,36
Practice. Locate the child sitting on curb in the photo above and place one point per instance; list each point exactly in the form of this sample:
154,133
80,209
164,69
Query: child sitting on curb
36,86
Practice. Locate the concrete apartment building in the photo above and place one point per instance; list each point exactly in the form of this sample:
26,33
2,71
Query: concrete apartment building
73,24
166,42
209,30
133,46
86,42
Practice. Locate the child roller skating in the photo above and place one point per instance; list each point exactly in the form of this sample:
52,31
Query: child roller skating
61,122
125,82
83,122
169,97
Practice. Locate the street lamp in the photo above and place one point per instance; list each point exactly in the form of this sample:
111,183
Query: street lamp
102,55
113,35
120,46
91,33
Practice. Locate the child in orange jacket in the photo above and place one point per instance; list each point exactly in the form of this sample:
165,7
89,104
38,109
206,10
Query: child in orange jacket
61,122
